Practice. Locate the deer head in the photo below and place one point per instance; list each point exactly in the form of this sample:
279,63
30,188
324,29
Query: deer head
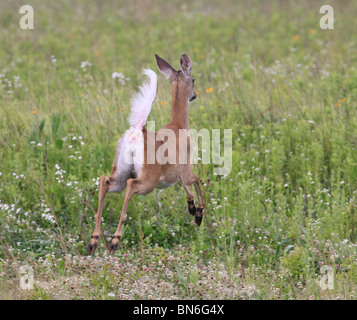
182,78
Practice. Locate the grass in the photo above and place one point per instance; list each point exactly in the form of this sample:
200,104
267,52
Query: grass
285,87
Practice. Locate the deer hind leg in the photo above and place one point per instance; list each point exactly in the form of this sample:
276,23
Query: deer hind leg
115,183
104,186
140,186
107,184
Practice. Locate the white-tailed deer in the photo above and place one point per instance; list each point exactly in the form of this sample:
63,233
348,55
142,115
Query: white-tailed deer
141,176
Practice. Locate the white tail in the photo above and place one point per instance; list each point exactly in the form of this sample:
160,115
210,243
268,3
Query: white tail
142,102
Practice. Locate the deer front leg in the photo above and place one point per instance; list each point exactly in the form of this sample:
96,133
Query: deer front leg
201,203
190,201
198,212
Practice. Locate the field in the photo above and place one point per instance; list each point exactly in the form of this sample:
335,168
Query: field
285,87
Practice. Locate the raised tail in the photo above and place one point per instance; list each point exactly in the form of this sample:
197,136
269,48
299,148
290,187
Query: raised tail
142,102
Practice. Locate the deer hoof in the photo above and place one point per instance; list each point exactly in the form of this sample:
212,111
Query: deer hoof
199,216
93,244
114,243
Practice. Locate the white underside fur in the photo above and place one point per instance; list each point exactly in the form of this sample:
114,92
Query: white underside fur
131,151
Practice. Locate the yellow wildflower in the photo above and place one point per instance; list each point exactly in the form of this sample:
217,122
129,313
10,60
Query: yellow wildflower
121,109
34,112
313,31
209,90
163,103
196,50
296,37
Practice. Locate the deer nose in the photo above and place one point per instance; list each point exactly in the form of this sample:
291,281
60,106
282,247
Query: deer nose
193,97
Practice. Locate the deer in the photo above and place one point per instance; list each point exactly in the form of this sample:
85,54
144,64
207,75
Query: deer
141,177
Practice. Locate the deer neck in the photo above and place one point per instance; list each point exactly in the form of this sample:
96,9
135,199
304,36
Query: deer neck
179,108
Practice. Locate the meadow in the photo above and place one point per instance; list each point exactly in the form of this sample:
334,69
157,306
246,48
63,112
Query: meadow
285,87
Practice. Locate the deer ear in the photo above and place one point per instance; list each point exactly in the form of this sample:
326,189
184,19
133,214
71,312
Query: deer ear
186,64
164,67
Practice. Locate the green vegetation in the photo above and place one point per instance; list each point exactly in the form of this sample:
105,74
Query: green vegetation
286,88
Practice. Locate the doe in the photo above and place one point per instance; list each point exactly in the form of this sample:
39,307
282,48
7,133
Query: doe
141,176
